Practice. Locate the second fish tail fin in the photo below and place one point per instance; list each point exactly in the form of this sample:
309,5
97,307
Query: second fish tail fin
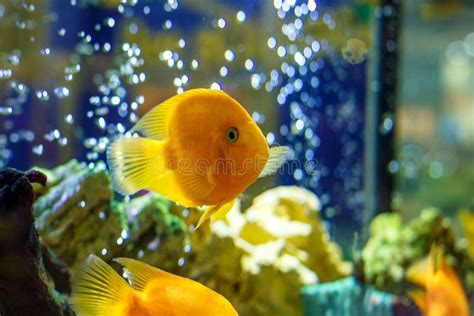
98,290
135,162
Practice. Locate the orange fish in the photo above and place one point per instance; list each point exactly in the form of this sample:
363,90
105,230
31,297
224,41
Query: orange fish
198,148
443,294
99,290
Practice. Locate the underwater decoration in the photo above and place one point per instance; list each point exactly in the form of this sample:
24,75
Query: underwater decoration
346,297
278,240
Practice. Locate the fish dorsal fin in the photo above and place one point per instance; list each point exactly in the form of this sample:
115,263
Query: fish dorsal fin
154,124
278,156
97,289
139,273
419,272
420,299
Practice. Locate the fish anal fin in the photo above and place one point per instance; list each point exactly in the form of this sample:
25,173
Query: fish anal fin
207,214
224,209
215,212
98,289
135,162
277,157
139,273
420,299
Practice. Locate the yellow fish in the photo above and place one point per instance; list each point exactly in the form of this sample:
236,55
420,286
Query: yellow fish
355,51
99,290
199,148
443,294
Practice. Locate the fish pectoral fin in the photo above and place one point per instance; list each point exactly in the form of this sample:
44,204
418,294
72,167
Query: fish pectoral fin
97,289
215,212
139,273
197,184
420,299
278,156
224,209
135,162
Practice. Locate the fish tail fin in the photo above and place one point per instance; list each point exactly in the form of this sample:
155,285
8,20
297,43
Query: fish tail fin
134,163
215,212
98,289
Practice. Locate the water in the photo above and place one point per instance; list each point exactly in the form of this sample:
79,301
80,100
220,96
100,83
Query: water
375,101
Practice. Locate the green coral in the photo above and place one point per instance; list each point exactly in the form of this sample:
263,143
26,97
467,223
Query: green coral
394,245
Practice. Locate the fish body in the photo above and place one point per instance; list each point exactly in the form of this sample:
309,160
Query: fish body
355,51
99,290
443,294
198,148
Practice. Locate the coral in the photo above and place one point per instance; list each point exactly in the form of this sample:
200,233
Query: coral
28,271
292,214
393,246
260,259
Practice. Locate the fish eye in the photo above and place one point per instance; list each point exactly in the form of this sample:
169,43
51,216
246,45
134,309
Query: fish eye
232,135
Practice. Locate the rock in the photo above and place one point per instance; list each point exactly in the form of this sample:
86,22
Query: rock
76,216
26,288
